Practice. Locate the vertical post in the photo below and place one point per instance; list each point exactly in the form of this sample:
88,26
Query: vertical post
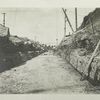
4,18
68,20
65,25
76,18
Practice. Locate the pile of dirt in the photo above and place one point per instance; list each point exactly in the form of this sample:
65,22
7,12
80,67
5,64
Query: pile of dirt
16,50
78,47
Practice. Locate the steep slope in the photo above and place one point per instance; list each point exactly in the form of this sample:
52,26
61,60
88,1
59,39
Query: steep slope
78,48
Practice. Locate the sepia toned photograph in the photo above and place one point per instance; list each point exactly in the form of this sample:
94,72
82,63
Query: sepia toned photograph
50,50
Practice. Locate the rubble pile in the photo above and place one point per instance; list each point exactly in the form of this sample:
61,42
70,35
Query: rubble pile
15,50
78,47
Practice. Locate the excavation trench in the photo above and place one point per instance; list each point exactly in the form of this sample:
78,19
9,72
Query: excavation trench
47,73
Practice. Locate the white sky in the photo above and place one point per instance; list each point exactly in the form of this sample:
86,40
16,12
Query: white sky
44,24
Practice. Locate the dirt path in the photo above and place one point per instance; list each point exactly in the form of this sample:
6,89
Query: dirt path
46,73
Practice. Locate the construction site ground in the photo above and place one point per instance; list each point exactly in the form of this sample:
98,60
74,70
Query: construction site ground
47,73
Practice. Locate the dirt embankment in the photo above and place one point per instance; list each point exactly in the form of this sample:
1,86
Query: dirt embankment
15,50
78,48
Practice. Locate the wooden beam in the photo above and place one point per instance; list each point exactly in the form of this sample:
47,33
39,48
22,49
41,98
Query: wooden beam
76,19
4,18
91,59
68,20
65,25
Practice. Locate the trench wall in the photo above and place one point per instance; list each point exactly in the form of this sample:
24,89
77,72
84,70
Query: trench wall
80,63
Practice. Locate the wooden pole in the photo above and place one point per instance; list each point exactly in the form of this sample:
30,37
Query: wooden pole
4,18
76,18
65,25
68,20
